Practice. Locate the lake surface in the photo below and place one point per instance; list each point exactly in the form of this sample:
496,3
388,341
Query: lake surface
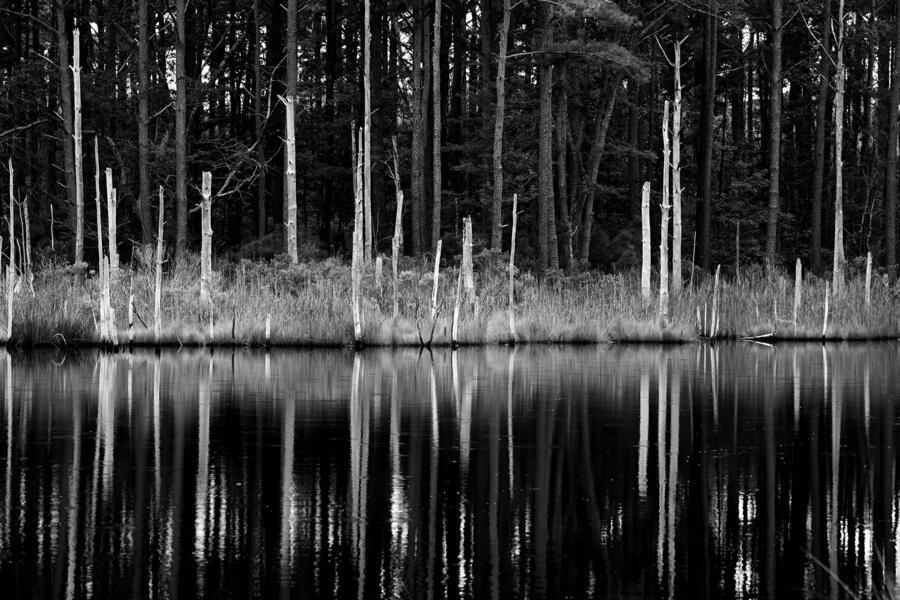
683,472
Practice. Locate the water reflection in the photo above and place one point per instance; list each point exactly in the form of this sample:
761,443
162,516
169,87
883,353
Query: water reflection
486,473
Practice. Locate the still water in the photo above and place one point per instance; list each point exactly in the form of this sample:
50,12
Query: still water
682,472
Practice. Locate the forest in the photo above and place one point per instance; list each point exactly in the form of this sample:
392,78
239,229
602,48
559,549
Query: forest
784,134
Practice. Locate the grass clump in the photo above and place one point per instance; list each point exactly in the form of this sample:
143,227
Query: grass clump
309,304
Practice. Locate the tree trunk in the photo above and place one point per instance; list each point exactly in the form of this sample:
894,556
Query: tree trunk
417,159
290,163
664,223
547,256
562,184
499,112
837,275
143,203
708,120
367,132
436,121
76,135
181,214
774,134
586,205
818,183
891,166
258,87
676,177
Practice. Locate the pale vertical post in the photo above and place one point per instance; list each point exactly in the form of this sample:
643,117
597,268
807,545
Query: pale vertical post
97,200
467,269
291,183
645,242
12,226
396,244
798,289
512,268
825,321
79,184
868,279
676,178
206,241
357,257
111,224
437,274
664,223
157,296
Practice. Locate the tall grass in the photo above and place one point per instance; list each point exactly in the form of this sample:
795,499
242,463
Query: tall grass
309,304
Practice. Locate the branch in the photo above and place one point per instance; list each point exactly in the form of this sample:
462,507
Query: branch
21,128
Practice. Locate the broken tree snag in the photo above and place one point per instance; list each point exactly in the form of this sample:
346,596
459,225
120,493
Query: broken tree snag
10,284
664,224
290,178
437,274
512,262
79,184
111,224
131,312
454,331
52,233
28,271
868,279
645,242
157,296
97,199
468,273
825,321
676,178
12,230
379,268
396,243
206,241
798,289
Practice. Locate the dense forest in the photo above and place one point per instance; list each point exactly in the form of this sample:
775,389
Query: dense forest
789,122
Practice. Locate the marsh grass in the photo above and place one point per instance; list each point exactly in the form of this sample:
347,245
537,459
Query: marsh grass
309,305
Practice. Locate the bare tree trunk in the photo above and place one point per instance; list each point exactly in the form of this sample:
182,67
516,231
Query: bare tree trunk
290,180
258,126
206,238
664,223
546,238
417,158
818,183
65,100
436,120
157,296
143,203
290,162
645,243
676,178
79,183
774,133
367,133
181,214
890,237
562,184
499,113
709,119
111,224
837,275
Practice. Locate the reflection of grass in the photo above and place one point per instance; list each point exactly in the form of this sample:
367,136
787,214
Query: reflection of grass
309,304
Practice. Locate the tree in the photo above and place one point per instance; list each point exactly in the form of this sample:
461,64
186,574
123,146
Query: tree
181,214
143,203
499,114
893,138
290,165
436,120
707,124
818,185
837,275
547,248
774,133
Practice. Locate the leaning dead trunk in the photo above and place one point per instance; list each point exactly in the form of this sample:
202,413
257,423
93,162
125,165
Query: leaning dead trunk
206,239
79,184
512,268
466,266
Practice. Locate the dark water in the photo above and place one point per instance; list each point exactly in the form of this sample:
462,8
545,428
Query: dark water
737,471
